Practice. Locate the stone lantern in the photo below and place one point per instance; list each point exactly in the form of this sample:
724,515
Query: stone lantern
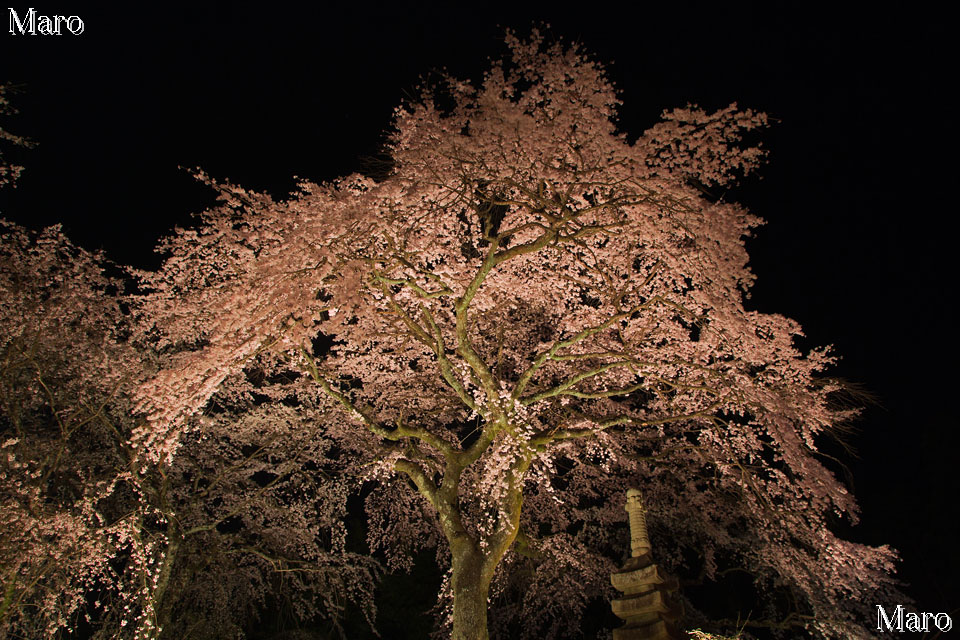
649,606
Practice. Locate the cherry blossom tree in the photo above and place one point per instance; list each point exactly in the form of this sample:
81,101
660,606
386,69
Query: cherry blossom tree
247,521
529,314
253,520
61,368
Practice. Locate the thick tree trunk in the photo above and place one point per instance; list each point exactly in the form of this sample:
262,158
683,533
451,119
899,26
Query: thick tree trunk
471,587
163,605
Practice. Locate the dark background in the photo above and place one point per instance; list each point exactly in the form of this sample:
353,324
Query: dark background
860,237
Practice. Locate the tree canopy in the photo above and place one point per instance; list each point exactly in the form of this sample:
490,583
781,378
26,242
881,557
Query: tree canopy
201,546
530,312
525,313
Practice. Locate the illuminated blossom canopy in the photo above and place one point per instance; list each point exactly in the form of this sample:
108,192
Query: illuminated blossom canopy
243,519
528,314
60,367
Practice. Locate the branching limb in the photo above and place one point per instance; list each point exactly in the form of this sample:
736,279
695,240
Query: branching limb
564,388
547,437
523,545
343,400
464,344
550,353
400,431
425,485
446,367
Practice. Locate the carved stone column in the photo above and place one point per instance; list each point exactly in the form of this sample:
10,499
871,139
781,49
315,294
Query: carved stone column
639,541
649,608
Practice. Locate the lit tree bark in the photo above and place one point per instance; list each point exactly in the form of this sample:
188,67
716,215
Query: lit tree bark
472,570
163,605
470,583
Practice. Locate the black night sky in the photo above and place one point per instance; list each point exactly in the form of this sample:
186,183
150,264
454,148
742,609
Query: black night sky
859,245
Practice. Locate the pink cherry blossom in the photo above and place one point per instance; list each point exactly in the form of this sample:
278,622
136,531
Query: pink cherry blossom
530,314
245,517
